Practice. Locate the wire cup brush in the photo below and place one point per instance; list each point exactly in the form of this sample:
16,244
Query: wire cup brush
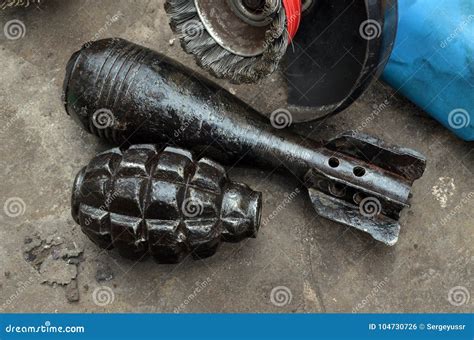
239,40
4,4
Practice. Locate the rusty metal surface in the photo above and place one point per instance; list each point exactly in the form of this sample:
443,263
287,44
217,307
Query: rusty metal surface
150,98
340,49
374,206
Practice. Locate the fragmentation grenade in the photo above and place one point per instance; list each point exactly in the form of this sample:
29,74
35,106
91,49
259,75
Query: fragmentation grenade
144,200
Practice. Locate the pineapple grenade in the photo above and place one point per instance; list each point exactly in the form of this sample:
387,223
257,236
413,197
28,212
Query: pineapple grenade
164,203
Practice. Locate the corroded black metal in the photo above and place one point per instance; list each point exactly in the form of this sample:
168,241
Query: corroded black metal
150,98
144,200
341,48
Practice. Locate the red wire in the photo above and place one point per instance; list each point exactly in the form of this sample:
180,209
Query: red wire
293,16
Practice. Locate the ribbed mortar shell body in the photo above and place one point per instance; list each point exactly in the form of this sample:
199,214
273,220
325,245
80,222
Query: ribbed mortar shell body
153,99
164,203
149,98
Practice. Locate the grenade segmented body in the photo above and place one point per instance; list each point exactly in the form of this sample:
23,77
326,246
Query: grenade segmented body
144,200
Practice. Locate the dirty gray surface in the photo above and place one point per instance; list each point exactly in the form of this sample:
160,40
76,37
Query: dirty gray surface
298,263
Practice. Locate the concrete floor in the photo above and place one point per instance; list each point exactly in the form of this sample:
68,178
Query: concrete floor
310,264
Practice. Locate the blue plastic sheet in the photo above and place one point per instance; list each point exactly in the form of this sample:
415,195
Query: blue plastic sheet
433,60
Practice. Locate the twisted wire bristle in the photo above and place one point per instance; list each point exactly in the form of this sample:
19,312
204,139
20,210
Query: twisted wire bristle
195,40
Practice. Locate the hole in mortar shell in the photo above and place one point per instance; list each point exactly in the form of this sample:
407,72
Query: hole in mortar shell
359,171
333,162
